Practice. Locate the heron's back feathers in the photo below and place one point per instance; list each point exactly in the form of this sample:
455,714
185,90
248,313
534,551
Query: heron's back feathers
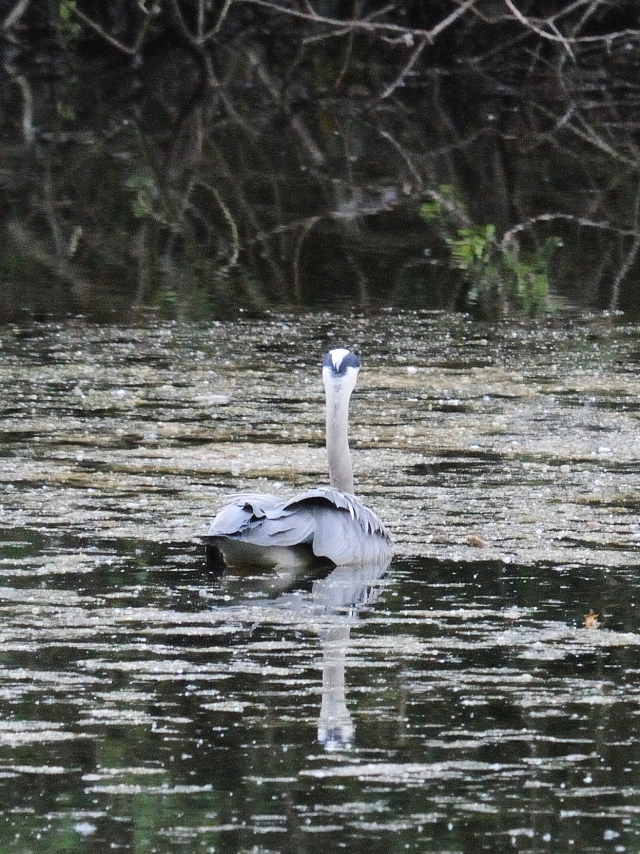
335,524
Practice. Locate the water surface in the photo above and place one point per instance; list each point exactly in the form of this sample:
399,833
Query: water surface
460,702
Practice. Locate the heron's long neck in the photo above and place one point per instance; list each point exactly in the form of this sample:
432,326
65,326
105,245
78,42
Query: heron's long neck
339,456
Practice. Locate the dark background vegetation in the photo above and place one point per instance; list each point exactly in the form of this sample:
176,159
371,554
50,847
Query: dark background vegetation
206,156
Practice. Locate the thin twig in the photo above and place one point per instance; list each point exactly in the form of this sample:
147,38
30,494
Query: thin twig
385,135
632,254
130,50
15,14
399,81
359,24
508,236
589,135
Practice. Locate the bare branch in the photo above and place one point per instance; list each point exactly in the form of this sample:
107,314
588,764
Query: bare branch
296,123
346,28
558,37
223,14
363,24
588,134
628,262
130,50
404,155
551,217
28,130
407,68
15,14
191,42
446,22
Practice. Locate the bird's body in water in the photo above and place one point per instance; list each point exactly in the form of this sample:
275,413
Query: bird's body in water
324,522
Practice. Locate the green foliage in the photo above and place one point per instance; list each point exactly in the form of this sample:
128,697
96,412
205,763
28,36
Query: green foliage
145,203
528,275
69,26
472,245
499,276
443,205
66,112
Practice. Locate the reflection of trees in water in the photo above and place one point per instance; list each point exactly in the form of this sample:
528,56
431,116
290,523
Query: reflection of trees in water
207,156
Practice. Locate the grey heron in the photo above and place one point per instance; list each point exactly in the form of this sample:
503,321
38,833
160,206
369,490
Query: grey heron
323,522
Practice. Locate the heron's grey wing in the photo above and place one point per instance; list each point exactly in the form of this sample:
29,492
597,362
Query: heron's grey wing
342,539
354,534
344,501
338,525
263,520
242,512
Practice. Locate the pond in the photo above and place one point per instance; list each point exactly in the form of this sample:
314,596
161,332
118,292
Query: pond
481,694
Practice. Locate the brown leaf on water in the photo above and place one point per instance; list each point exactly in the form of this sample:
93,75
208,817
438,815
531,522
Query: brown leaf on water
591,620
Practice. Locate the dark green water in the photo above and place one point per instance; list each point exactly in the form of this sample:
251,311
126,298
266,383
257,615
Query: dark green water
455,704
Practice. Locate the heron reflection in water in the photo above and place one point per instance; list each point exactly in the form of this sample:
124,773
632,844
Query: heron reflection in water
327,522
329,606
342,595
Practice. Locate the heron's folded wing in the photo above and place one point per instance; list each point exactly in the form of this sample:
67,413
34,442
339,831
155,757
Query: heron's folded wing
264,521
352,535
242,512
342,501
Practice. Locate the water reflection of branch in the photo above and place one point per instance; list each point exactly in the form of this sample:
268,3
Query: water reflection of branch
31,247
631,255
302,236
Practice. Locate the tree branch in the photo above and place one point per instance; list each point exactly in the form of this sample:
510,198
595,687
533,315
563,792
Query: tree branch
363,24
114,42
508,236
15,14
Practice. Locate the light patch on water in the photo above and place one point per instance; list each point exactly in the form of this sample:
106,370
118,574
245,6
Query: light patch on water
233,706
139,789
18,733
411,773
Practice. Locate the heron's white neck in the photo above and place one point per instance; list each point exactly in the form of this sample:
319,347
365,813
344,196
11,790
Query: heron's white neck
338,390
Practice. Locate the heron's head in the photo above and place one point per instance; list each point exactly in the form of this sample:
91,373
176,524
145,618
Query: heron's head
340,369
